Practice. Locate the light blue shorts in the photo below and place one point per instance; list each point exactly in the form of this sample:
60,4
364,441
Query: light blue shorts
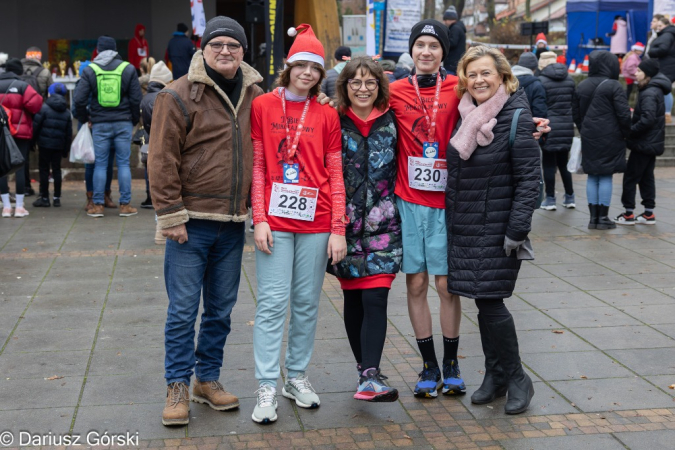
425,243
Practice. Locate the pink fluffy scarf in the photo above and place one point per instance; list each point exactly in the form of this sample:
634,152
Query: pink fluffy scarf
477,122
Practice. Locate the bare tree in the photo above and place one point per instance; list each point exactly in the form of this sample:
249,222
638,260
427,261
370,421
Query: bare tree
490,6
528,16
429,9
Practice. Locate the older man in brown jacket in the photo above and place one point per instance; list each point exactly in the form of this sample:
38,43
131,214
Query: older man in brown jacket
200,165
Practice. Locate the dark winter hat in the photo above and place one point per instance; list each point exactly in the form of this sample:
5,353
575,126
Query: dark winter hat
430,27
57,88
224,26
528,60
650,67
343,51
450,14
181,27
106,43
14,65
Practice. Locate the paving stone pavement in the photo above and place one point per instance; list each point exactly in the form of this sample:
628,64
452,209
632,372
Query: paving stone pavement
82,308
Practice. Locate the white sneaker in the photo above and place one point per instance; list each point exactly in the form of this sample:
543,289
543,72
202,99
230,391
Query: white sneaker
300,390
265,410
6,212
20,212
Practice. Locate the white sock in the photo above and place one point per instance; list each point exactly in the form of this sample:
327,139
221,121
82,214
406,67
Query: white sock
5,201
19,201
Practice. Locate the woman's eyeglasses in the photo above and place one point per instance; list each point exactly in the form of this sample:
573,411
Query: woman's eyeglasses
371,84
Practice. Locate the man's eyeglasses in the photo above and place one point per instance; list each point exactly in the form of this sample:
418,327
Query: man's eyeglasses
371,84
218,47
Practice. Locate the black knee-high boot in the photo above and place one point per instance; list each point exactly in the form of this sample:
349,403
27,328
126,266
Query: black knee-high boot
494,381
520,388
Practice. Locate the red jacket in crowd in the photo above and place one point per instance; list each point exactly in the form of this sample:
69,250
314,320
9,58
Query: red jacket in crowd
23,102
138,47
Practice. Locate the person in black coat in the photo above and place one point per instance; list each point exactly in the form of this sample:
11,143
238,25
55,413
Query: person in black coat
179,51
457,37
536,95
53,133
559,87
646,142
492,187
663,49
602,115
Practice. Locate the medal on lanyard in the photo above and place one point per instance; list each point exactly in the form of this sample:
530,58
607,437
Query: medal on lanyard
430,147
292,144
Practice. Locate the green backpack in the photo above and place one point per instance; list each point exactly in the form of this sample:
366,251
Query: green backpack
109,84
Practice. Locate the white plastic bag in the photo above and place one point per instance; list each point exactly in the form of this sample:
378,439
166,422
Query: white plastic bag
82,148
574,163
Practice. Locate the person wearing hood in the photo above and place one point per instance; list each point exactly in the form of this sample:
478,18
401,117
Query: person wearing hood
457,39
602,115
342,55
536,95
646,142
114,109
559,87
138,48
160,77
23,102
179,51
53,133
32,66
663,49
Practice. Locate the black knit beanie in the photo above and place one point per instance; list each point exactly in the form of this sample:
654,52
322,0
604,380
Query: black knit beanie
106,43
430,27
650,67
14,65
224,26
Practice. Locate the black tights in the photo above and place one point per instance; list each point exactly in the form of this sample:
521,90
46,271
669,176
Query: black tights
365,315
492,310
19,175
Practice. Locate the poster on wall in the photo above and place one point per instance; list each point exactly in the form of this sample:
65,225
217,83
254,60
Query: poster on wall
354,34
666,7
401,16
274,38
370,29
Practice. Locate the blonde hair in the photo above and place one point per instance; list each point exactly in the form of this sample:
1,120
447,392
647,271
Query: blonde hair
146,65
501,64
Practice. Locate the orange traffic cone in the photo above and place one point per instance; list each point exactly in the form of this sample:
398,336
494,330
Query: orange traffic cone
573,66
584,67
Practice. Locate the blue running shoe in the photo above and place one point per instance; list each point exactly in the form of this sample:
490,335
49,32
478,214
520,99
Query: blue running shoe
429,382
452,380
373,388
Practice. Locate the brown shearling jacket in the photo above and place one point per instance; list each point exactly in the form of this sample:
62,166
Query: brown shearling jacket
206,172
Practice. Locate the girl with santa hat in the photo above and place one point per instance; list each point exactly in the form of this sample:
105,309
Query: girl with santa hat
298,202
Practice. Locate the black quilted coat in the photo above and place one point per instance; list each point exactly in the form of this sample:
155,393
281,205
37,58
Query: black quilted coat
488,197
53,125
374,241
559,87
604,123
648,130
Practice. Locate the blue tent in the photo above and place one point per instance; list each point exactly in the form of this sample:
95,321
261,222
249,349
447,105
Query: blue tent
589,19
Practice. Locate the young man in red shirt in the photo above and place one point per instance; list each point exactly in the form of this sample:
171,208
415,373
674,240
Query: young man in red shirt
425,104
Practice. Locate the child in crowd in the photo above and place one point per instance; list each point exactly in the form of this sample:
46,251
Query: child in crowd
298,202
53,133
629,66
646,142
374,241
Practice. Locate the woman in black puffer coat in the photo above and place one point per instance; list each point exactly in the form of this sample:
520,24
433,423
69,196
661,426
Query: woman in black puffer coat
53,132
492,188
559,87
663,49
602,115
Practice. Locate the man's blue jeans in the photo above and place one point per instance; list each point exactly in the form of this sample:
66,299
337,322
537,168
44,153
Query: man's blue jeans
109,135
208,265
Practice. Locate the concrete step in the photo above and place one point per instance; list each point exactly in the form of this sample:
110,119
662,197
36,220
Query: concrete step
665,161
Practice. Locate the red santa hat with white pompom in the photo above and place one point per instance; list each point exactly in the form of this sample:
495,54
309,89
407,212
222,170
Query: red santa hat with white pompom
306,47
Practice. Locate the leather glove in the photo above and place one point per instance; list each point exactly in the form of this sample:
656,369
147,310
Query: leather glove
510,245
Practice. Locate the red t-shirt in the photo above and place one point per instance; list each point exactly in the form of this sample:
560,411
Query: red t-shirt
412,131
320,135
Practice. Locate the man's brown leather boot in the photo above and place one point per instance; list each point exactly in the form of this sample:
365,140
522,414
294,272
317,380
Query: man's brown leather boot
177,407
90,201
213,394
107,200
